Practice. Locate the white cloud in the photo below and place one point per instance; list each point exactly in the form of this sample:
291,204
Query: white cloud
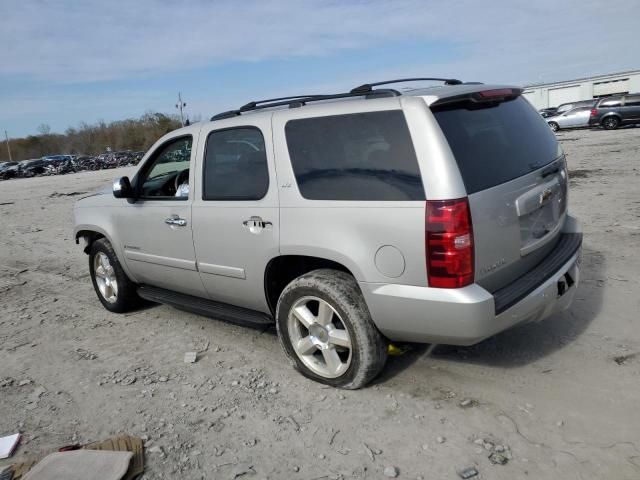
518,41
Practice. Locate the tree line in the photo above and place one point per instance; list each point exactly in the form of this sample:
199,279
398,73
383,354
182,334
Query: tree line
136,134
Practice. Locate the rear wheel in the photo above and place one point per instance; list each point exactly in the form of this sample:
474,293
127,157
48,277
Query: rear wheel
326,330
611,123
114,289
554,126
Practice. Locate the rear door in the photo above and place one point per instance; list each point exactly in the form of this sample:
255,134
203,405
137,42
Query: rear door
515,177
235,212
578,117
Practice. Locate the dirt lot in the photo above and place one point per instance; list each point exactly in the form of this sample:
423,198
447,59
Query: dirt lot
562,396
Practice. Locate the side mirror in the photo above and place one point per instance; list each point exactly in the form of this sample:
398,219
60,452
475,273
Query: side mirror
122,188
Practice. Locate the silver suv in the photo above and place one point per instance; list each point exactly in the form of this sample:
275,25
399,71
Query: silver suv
350,221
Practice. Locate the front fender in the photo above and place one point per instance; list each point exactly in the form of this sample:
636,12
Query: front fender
85,227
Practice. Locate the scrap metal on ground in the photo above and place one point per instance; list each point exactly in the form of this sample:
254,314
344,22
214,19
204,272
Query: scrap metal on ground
63,164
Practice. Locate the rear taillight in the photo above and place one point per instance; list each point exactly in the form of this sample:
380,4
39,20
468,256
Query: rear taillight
594,112
449,243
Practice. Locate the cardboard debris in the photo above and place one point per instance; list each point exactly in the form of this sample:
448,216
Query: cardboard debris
81,465
122,443
8,445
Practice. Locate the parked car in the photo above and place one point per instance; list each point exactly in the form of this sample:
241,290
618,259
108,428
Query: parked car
8,170
350,221
615,111
575,118
548,112
58,158
31,168
565,107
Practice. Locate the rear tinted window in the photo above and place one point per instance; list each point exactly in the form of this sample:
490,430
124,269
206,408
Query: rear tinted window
495,144
632,101
614,102
362,156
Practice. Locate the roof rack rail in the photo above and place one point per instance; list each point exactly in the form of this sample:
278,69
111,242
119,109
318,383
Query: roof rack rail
254,104
227,114
298,101
368,87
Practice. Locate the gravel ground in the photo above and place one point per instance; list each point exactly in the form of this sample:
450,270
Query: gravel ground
557,399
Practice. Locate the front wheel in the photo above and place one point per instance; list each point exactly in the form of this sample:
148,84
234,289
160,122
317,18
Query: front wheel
611,123
326,331
554,126
114,289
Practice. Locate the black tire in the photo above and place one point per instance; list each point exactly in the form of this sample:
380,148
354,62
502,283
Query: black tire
126,298
341,292
554,126
610,123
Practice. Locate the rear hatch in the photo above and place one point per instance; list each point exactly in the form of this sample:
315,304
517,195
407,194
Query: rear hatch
515,177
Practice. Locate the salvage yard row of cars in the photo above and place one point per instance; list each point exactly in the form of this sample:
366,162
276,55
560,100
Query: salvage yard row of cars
61,164
608,112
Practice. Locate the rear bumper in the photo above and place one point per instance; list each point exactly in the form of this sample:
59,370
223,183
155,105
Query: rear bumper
468,315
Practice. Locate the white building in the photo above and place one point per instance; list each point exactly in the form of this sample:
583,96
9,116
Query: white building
546,95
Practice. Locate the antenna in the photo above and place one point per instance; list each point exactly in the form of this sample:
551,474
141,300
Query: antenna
180,105
6,135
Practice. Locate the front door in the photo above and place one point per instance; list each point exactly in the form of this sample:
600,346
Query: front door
235,213
156,230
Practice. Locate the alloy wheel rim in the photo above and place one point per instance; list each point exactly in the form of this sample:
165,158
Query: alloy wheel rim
319,337
105,277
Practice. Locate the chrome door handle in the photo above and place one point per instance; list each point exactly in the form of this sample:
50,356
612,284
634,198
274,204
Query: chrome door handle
257,222
175,220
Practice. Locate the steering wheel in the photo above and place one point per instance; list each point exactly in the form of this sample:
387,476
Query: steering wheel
181,177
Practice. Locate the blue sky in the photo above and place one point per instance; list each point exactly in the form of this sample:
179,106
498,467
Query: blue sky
64,62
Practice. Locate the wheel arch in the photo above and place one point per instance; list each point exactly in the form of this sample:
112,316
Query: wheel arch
611,114
283,269
90,233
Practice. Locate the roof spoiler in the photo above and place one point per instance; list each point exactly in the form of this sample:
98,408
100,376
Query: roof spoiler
494,95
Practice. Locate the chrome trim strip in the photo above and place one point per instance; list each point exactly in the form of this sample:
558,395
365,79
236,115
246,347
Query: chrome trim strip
221,270
160,260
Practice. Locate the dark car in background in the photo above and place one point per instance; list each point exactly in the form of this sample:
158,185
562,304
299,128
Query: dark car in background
9,170
615,111
548,112
31,168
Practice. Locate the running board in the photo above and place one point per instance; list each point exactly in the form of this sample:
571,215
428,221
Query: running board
208,308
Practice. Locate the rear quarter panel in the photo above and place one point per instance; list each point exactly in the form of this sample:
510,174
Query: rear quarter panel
348,232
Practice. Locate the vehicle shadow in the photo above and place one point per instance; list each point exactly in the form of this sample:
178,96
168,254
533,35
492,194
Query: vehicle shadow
530,342
525,343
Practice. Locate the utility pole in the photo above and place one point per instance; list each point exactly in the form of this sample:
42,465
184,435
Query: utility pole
6,135
180,105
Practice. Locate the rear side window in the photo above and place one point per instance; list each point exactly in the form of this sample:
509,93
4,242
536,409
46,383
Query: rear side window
235,165
495,144
632,101
614,102
361,156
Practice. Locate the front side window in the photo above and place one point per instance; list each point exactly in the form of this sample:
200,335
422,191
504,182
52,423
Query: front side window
235,165
361,156
167,176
